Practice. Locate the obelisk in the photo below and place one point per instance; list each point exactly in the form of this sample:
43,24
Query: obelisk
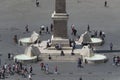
60,18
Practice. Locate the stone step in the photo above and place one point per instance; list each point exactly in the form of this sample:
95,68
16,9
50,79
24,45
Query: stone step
58,54
67,57
63,48
46,51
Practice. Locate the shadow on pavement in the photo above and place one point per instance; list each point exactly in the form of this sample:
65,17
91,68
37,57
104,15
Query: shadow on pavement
106,51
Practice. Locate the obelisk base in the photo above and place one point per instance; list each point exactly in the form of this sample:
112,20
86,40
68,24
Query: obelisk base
60,25
61,41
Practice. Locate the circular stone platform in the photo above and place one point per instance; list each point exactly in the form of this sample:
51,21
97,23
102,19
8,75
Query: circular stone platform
96,58
23,58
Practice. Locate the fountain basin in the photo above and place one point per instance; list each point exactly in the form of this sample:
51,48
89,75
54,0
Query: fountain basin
25,41
96,58
96,41
24,58
29,40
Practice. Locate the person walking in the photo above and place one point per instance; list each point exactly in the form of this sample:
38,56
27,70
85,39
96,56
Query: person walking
88,28
72,28
47,30
26,28
62,53
47,68
42,65
9,55
40,31
31,69
15,39
111,46
73,45
96,33
49,57
118,60
37,3
56,70
75,32
30,76
105,3
79,62
100,33
115,60
80,78
51,27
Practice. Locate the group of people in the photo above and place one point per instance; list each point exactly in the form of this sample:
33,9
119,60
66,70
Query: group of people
105,3
99,34
94,33
10,56
58,47
16,68
45,29
116,60
42,30
45,68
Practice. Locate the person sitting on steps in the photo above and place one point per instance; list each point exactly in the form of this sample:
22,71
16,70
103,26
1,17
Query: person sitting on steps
62,53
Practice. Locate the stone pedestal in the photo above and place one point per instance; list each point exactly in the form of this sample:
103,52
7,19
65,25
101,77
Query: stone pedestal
60,24
60,29
60,18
